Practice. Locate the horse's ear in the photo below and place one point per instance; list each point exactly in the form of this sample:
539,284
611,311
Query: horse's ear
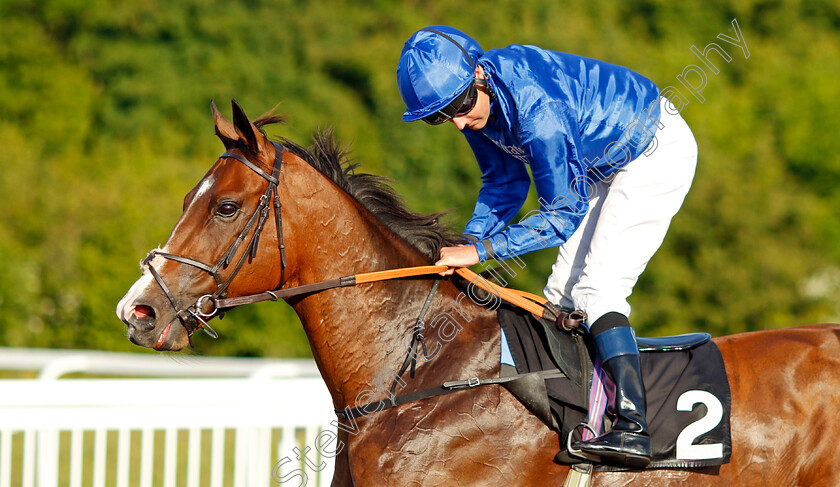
254,139
224,129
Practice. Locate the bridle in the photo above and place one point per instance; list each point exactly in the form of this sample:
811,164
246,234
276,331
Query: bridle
206,307
195,317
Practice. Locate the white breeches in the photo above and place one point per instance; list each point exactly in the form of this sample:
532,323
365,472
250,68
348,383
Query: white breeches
629,215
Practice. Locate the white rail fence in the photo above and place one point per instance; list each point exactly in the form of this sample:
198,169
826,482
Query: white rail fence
264,423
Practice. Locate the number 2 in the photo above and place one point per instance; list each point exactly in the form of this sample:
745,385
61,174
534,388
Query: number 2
686,450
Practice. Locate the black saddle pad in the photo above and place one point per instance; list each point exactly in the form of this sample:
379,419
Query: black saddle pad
688,397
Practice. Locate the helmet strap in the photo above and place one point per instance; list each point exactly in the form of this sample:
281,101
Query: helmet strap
466,54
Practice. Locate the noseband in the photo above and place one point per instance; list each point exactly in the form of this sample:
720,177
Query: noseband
195,316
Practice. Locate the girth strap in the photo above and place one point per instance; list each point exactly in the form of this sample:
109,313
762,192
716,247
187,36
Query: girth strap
441,390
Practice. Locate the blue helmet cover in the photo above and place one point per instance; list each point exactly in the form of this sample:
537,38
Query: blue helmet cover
433,70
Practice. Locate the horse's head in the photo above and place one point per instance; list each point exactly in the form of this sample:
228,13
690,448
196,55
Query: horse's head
218,235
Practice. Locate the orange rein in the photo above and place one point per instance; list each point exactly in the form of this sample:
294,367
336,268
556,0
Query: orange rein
525,300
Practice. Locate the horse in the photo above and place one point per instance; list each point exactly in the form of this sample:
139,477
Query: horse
331,221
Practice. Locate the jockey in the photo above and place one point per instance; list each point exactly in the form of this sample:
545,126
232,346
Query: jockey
611,160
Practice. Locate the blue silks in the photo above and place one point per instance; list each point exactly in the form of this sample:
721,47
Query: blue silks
574,120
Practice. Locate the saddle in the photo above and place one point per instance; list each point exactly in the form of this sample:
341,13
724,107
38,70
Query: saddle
680,373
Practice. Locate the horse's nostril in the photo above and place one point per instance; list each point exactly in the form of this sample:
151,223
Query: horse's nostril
144,313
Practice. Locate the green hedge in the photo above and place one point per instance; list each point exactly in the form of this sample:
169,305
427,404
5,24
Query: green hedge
105,125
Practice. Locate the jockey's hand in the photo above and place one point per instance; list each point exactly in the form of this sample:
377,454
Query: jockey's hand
459,256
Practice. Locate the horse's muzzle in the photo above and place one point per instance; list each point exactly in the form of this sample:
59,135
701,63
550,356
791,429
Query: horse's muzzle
146,330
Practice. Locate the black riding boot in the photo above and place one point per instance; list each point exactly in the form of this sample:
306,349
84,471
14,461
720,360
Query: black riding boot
628,442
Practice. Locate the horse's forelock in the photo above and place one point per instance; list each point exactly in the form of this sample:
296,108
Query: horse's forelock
269,118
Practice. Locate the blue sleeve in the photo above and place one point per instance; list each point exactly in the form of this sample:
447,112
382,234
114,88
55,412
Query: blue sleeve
504,188
550,136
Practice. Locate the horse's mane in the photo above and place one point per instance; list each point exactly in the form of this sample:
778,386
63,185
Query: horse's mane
423,231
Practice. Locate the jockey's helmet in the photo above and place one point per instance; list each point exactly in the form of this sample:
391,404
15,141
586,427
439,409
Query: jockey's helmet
437,65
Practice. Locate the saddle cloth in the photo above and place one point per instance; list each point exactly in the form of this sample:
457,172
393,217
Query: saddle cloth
688,397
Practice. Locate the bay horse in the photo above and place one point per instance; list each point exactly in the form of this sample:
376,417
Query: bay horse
330,222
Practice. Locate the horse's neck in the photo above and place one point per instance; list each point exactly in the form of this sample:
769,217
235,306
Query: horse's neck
360,335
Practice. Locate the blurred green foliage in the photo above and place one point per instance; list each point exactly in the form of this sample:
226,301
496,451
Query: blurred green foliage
105,126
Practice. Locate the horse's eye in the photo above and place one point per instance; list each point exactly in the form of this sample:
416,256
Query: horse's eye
227,210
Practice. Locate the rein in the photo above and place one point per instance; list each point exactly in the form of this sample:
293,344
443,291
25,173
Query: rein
522,299
530,302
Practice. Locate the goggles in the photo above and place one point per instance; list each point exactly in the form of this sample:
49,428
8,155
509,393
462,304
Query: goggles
461,105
